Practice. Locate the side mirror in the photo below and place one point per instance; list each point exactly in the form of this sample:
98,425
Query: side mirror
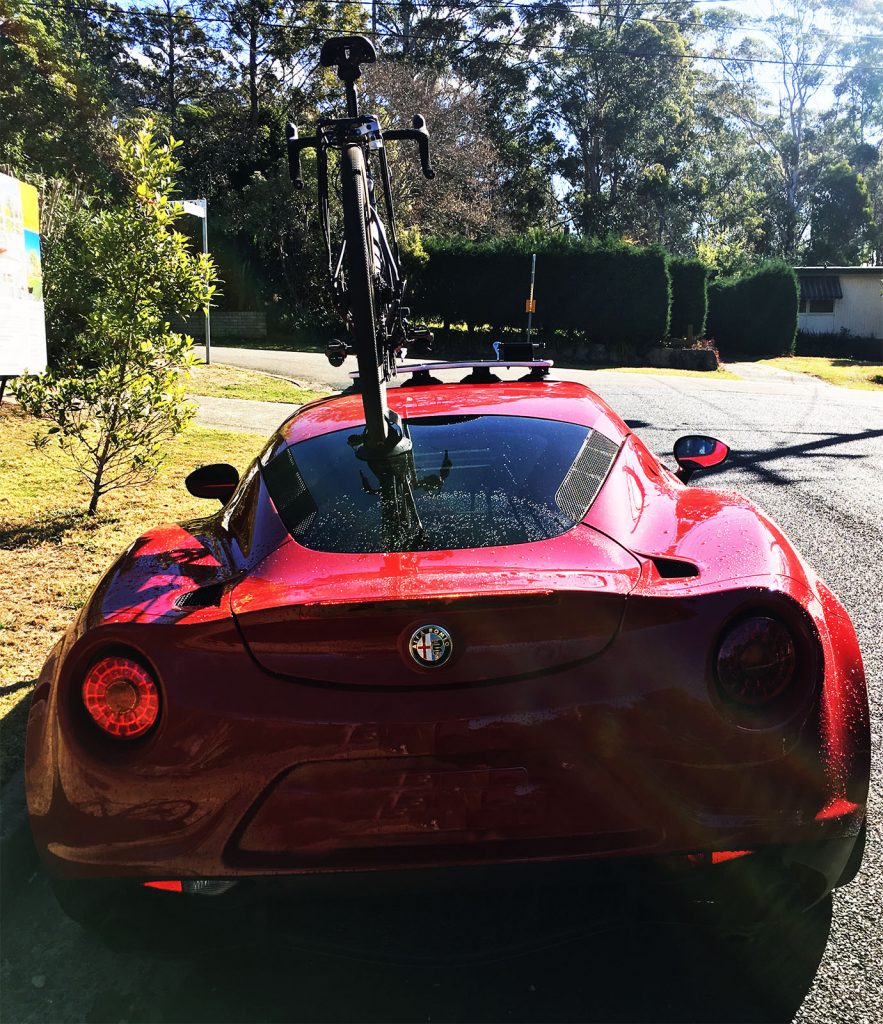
694,451
216,481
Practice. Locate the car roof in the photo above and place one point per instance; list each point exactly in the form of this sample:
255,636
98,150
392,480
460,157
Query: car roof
565,401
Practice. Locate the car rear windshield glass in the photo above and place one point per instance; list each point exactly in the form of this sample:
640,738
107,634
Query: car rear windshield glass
468,482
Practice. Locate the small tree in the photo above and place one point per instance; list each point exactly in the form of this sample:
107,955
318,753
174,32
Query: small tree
118,397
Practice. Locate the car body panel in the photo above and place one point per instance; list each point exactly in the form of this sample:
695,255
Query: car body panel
555,400
514,611
580,718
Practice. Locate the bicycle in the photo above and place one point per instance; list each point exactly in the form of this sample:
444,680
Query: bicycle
364,268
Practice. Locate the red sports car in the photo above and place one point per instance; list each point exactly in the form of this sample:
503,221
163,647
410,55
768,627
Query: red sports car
537,646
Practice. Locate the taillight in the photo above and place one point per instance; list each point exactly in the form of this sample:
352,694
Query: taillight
121,696
756,661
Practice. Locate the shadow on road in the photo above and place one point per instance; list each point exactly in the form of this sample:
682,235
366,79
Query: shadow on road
757,461
664,973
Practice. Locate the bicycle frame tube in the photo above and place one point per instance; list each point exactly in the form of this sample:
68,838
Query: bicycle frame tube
352,100
387,197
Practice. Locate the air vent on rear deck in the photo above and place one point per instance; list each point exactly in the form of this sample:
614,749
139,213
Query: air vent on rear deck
674,568
583,481
208,596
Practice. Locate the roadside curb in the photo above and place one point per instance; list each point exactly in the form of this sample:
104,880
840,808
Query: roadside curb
18,856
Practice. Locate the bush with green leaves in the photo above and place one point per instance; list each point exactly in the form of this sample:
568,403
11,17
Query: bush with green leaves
117,396
755,313
689,296
608,292
840,344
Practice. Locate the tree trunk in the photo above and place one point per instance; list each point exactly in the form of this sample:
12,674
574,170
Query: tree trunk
170,36
253,75
96,490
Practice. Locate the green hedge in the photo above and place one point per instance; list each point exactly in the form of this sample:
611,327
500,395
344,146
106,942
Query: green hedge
840,345
611,293
754,313
689,296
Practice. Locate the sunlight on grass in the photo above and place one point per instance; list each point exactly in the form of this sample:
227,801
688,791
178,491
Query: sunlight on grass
55,553
218,381
847,373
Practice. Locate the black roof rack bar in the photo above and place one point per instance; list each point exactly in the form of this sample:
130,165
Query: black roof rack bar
490,364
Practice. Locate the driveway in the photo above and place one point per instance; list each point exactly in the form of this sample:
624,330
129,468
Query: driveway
811,456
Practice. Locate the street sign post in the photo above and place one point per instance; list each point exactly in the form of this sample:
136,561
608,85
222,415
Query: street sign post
199,208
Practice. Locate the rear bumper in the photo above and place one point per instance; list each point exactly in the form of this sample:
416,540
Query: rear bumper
489,910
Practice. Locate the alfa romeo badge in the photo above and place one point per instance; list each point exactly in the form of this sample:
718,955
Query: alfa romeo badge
431,646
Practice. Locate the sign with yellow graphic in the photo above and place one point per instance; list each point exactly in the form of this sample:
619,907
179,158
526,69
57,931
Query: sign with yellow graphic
22,322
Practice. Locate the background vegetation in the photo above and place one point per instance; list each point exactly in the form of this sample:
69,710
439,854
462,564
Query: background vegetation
755,313
691,126
604,291
115,396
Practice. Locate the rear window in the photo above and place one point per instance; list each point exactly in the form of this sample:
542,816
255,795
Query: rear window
469,482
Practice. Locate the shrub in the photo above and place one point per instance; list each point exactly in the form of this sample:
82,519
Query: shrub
689,296
839,345
118,398
608,292
755,313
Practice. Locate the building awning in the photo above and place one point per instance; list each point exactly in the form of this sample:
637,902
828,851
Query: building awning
827,287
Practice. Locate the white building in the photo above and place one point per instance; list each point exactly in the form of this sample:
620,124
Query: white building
837,298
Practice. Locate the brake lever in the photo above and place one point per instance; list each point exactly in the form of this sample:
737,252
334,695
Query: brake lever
422,137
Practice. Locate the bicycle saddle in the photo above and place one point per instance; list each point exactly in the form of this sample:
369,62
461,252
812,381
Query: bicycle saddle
347,52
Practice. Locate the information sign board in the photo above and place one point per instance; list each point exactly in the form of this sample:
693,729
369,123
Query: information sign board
22,321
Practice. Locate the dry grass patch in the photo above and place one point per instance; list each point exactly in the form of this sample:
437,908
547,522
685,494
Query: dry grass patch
847,373
219,381
53,554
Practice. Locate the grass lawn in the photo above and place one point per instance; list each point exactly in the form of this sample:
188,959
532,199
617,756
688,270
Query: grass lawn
846,372
53,555
217,381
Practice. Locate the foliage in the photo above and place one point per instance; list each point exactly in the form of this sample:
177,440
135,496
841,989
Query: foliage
620,93
63,75
840,344
180,72
117,398
754,313
69,281
610,293
841,217
689,296
595,121
461,198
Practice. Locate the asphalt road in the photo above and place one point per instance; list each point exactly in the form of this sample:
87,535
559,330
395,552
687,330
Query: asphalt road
811,456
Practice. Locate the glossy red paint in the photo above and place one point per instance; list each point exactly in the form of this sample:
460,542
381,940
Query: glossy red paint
555,400
579,716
